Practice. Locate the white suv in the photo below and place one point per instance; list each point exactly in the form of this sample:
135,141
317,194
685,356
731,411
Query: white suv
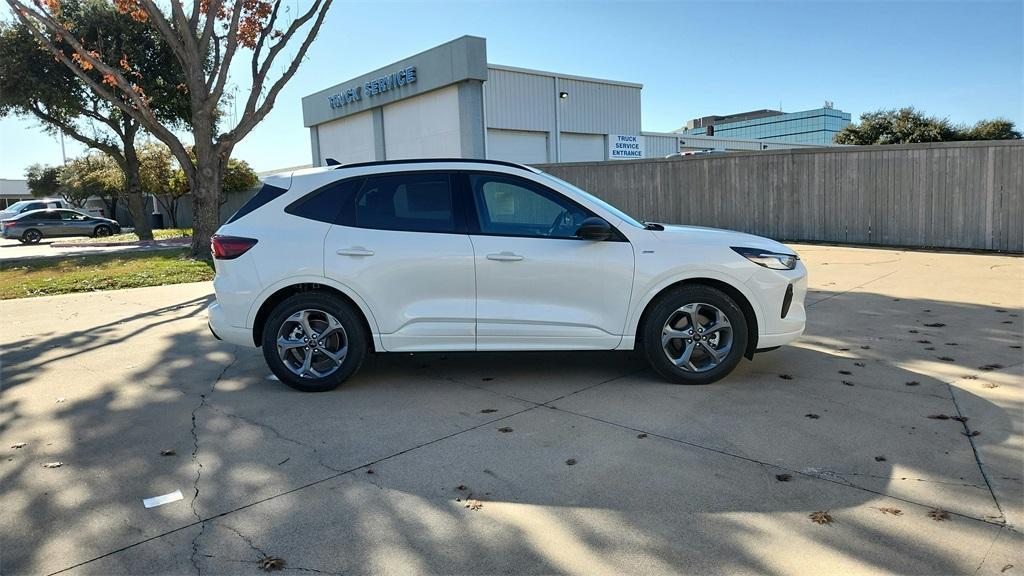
324,265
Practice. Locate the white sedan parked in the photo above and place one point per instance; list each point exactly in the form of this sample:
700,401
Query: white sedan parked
326,264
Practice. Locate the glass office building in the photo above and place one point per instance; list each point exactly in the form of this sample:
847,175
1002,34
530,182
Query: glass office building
807,127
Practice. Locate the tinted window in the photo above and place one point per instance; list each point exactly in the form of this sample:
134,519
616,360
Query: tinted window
30,206
48,215
326,203
266,194
420,202
509,206
69,215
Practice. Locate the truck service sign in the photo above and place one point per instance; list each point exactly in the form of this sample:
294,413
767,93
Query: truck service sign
625,147
373,87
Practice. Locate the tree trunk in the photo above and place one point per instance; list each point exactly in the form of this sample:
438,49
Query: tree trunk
206,191
133,193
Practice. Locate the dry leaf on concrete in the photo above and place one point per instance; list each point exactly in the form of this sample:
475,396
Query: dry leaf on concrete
53,465
938,514
271,563
821,517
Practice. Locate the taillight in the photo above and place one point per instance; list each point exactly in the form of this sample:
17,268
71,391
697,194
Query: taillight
230,247
7,224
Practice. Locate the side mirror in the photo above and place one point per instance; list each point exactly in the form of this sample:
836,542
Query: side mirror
594,228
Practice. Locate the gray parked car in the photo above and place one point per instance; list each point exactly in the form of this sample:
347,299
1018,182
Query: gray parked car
31,227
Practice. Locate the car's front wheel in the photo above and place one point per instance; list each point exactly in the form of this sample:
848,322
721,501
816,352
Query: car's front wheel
102,231
694,334
314,342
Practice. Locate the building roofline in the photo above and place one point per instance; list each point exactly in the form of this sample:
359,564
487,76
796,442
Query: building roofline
566,76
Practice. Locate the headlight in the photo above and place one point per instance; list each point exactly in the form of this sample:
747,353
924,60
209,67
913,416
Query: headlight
768,259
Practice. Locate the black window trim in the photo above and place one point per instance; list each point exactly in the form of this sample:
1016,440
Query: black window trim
474,222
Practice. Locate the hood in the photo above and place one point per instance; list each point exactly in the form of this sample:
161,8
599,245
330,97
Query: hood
699,235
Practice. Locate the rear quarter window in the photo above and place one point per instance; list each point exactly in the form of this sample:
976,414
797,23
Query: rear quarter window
266,194
327,204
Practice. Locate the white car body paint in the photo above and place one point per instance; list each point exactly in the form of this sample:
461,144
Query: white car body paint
448,291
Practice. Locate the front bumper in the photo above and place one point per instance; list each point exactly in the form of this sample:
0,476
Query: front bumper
222,330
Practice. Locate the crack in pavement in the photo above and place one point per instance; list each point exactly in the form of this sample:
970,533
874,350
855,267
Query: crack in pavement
279,435
988,551
199,465
974,449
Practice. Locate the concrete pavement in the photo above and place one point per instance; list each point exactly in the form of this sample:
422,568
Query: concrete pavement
376,476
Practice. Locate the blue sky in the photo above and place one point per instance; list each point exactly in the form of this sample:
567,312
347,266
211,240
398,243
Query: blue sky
963,60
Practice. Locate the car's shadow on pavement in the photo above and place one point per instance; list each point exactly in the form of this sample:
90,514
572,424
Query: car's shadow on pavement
521,462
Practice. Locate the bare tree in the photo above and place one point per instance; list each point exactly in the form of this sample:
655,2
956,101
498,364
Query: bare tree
205,40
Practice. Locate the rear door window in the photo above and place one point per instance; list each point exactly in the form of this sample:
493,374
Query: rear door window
411,202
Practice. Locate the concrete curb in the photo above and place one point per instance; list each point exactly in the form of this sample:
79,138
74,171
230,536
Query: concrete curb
183,241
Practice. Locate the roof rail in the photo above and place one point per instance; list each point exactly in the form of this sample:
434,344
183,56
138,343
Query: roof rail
428,160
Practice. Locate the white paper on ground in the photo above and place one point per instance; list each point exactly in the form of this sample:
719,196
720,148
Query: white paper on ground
160,500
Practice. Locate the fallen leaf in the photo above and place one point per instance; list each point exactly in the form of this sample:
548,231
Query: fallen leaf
570,462
951,344
935,325
939,417
504,429
843,349
960,418
990,367
912,383
53,465
847,383
488,410
786,376
924,341
990,385
783,477
893,511
271,563
167,452
859,364
972,433
865,347
930,348
487,378
912,331
60,400
927,310
460,487
1005,568
879,458
812,416
369,471
845,372
946,359
18,445
821,517
938,514
641,435
474,504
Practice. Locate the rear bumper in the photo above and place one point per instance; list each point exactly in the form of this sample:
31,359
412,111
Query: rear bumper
222,330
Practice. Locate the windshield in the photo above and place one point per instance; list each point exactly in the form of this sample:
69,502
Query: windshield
618,213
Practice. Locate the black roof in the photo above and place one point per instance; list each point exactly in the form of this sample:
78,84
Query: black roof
429,160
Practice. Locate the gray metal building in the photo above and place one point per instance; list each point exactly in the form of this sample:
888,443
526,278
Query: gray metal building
449,102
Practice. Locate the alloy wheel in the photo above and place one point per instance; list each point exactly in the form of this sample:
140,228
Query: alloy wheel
312,343
697,337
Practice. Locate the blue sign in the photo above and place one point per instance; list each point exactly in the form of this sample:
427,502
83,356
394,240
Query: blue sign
373,87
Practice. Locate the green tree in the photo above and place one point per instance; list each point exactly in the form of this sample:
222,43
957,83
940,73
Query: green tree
998,129
38,85
909,125
44,181
94,174
205,37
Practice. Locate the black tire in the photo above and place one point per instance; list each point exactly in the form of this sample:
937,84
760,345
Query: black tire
32,236
102,231
354,332
664,309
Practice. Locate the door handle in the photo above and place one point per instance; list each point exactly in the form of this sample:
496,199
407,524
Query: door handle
355,251
505,257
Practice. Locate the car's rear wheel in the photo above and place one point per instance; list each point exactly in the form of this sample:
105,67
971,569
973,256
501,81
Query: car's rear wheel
32,236
102,231
314,342
694,334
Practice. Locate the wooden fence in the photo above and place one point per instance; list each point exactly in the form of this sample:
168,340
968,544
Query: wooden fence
967,195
